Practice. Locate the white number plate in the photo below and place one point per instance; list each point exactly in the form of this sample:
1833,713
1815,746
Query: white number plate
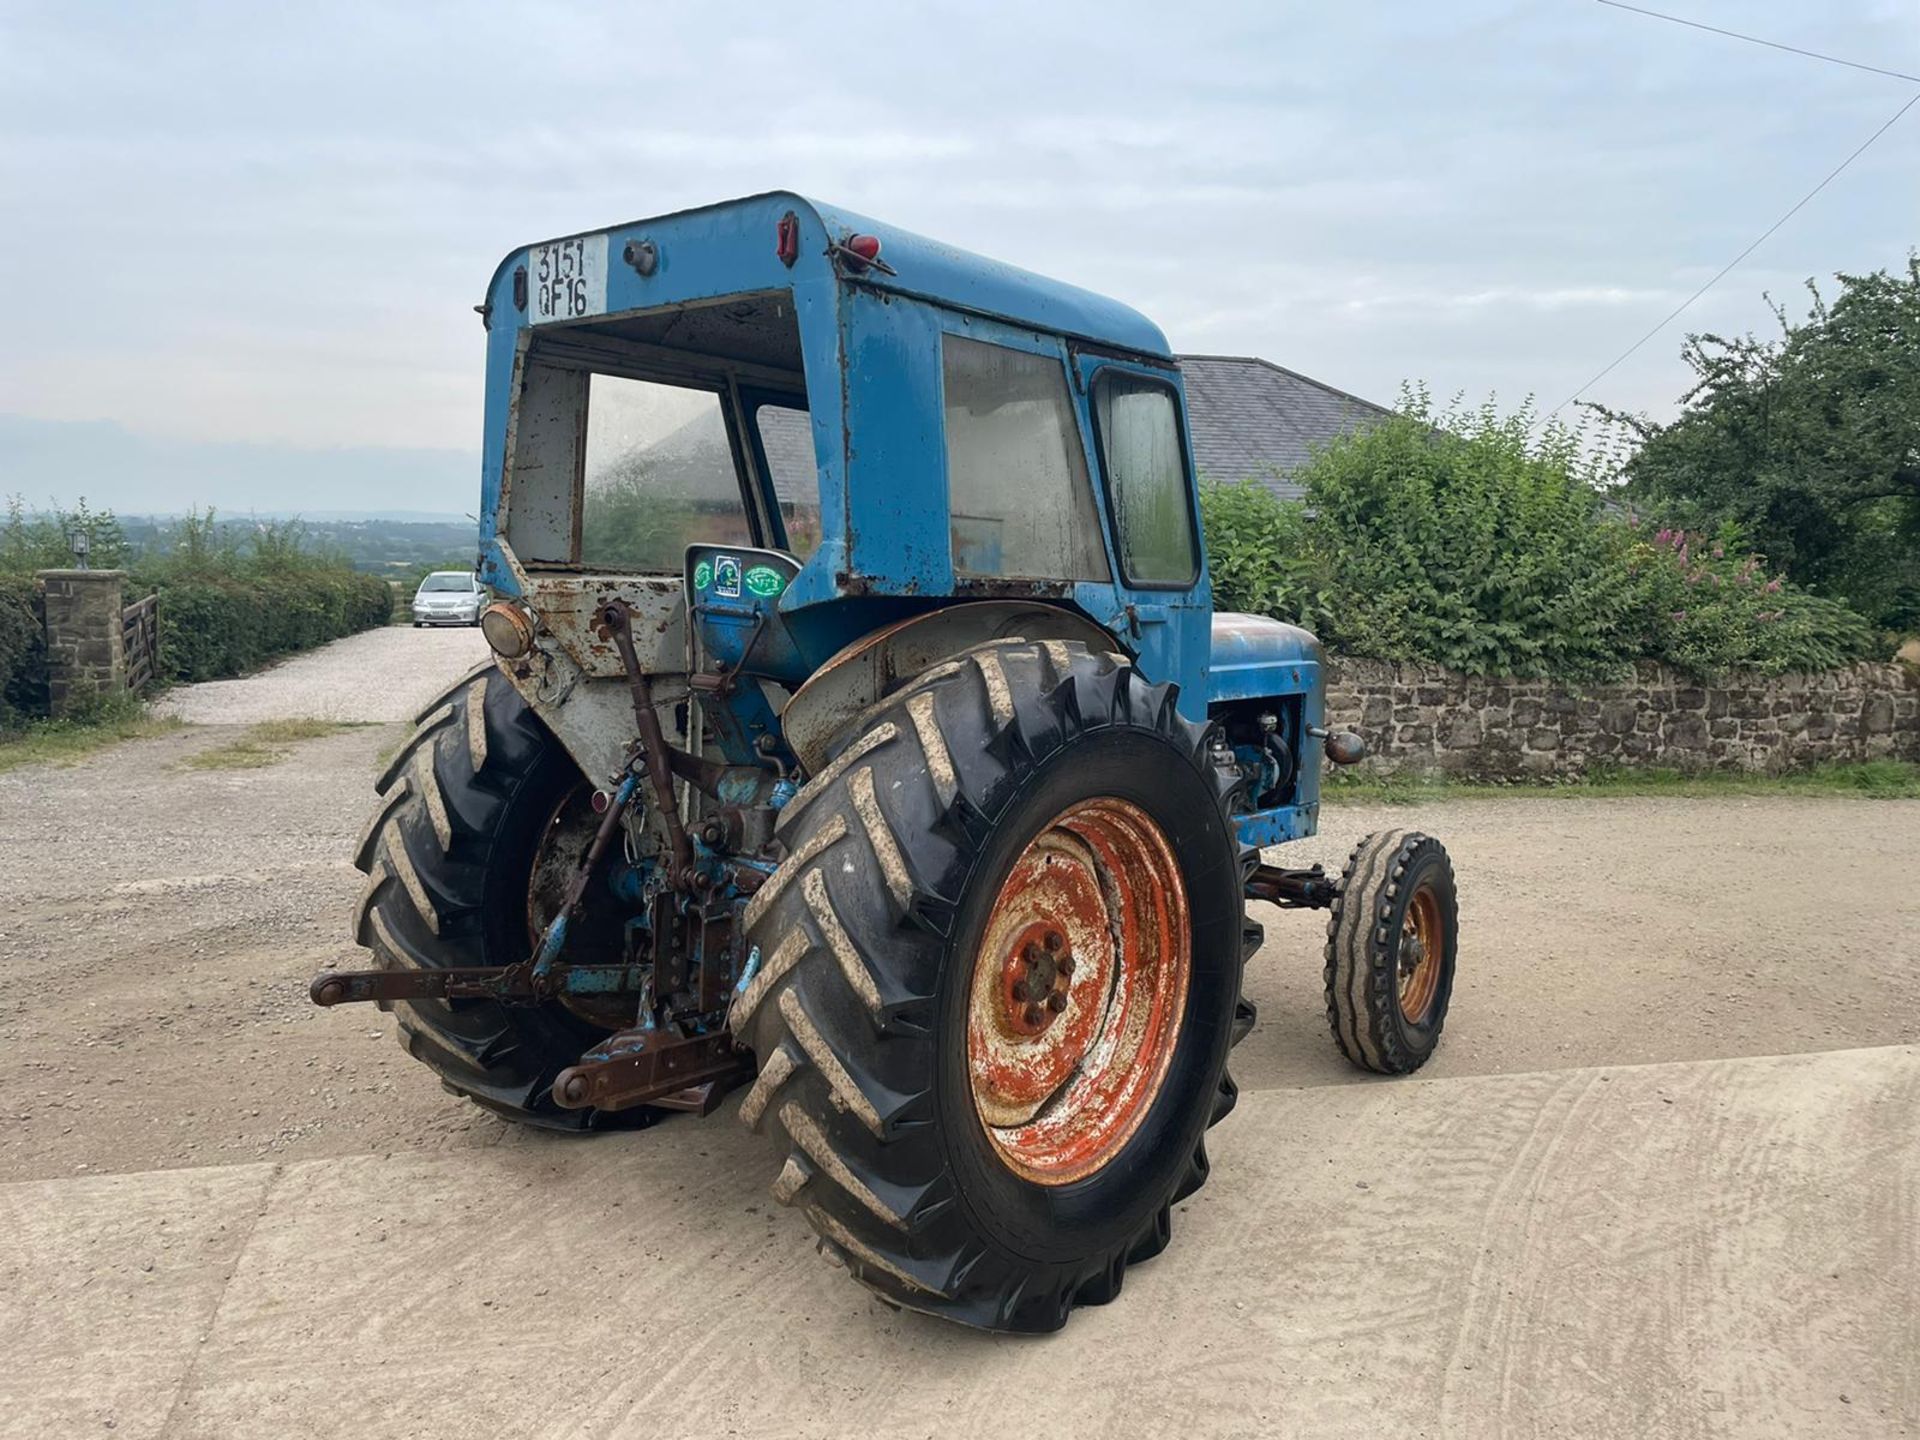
567,280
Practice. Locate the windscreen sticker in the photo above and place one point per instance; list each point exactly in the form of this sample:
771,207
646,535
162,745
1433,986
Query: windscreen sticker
702,575
764,580
726,576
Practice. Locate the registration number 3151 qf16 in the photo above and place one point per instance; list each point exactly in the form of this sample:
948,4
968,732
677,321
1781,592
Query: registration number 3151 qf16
567,280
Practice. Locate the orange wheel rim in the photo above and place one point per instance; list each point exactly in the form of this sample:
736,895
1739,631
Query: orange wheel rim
1078,991
1422,952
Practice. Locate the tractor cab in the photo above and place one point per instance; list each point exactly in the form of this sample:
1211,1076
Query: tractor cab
861,735
871,427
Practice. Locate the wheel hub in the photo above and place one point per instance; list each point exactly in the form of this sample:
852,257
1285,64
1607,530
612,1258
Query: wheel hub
564,841
1078,990
1037,975
1420,946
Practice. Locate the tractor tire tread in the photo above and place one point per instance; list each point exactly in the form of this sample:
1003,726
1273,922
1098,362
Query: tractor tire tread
1361,971
425,853
842,971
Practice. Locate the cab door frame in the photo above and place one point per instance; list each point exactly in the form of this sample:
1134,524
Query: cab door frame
1168,624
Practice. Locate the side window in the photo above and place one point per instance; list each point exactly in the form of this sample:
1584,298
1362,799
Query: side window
1019,502
786,439
1139,427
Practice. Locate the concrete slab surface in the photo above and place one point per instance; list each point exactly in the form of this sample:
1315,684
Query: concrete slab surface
1705,1248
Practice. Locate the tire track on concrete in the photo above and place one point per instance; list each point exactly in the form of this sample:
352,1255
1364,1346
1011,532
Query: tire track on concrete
190,1376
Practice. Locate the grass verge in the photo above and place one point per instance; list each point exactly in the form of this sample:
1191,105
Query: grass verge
1873,779
265,744
67,742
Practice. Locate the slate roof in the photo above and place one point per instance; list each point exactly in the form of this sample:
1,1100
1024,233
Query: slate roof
1252,418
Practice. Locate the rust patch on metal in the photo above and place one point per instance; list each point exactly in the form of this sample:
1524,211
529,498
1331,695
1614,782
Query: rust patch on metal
1422,952
638,1067
1078,991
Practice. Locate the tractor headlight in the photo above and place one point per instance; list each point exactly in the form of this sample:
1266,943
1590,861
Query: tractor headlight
508,630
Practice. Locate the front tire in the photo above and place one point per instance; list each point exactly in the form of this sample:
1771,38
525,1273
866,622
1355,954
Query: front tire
1391,942
449,854
954,800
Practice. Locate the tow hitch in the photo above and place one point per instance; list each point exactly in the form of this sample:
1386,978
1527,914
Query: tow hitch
659,1061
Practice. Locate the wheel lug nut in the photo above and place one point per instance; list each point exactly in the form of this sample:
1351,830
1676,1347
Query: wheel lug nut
1056,1002
1034,1015
1054,941
1064,964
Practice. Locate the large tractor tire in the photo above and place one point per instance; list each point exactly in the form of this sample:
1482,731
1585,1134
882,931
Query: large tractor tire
473,798
1391,940
993,983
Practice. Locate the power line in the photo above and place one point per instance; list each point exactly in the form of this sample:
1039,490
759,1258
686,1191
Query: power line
1756,40
1725,270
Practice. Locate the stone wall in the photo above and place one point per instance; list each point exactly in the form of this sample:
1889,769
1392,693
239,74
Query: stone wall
1421,717
86,655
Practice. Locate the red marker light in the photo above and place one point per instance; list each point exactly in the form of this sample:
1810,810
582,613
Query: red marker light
858,254
786,239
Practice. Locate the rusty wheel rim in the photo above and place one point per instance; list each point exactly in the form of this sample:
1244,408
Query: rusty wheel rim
563,844
1422,951
1078,991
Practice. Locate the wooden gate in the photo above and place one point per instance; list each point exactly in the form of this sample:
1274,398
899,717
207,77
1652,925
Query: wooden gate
140,635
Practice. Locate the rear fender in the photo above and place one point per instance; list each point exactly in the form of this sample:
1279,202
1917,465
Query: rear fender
872,667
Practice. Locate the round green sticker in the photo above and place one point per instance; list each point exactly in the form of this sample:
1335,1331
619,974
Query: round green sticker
702,575
765,580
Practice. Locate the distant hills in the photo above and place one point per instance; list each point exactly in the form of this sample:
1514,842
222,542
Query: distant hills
372,543
59,461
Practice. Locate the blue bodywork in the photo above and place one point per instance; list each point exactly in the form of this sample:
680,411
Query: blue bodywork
870,344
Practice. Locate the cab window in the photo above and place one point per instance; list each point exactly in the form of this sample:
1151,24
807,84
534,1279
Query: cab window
659,476
1137,421
1019,503
785,433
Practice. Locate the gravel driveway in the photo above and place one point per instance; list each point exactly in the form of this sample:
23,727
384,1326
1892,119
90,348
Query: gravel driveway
376,675
202,1176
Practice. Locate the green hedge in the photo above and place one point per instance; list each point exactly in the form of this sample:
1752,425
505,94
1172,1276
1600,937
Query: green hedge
23,650
1466,540
215,625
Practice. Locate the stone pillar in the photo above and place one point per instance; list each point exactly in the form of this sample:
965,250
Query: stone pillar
86,655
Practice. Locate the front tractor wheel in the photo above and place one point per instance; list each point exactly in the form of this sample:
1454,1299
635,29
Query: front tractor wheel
992,986
1390,951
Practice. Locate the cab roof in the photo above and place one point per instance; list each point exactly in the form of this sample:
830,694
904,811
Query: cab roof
933,271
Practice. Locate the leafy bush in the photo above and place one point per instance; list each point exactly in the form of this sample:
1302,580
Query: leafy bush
219,625
232,597
43,540
1810,442
1258,555
23,651
1459,538
228,605
1708,606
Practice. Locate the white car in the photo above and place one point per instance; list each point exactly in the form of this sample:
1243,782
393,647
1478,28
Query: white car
449,597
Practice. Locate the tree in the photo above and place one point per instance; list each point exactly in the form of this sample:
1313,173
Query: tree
1809,444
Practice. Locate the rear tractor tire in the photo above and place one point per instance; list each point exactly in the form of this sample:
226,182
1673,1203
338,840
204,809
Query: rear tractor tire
1391,943
475,795
992,986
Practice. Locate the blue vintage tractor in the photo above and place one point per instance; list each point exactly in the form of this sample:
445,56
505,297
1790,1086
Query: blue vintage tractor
860,730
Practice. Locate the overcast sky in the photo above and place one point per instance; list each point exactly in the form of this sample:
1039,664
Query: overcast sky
241,233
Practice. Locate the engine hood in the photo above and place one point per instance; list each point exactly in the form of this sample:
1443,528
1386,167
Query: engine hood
1254,656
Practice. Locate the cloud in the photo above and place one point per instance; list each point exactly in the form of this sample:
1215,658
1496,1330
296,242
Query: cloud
267,225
